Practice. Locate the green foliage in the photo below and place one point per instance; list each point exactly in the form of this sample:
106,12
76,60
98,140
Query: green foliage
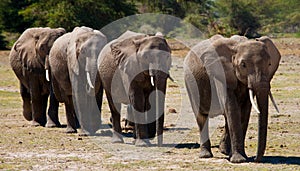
3,42
69,14
239,14
10,20
226,17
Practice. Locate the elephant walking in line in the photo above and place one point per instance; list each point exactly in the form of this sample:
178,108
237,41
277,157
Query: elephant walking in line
28,58
73,67
222,75
134,70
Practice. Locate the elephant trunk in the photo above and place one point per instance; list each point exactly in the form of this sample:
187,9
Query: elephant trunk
160,87
262,94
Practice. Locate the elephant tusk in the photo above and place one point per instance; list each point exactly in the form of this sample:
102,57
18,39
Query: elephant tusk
152,81
47,75
252,100
89,79
273,101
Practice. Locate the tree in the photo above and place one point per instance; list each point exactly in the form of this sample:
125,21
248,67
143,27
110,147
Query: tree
10,19
69,13
239,15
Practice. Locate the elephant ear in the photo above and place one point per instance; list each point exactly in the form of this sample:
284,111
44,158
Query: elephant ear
27,53
74,50
44,43
273,53
224,52
125,57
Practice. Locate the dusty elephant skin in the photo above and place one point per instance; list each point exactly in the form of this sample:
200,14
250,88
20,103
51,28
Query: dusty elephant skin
28,59
219,73
73,65
131,68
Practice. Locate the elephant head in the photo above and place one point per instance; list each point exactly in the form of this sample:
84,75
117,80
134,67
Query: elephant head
149,55
84,48
251,63
34,45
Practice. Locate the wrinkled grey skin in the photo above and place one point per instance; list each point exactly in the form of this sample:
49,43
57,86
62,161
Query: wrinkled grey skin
219,72
125,67
72,58
28,58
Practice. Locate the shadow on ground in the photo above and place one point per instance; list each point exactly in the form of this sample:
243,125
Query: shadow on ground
281,160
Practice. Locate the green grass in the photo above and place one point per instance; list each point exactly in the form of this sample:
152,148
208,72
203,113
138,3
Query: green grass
8,78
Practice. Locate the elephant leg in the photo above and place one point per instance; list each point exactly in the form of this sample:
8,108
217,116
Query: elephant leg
246,110
38,104
150,117
205,146
52,117
115,109
151,127
137,100
72,122
27,111
160,128
99,98
233,115
129,121
225,145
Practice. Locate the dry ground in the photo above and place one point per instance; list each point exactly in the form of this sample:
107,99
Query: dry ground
23,147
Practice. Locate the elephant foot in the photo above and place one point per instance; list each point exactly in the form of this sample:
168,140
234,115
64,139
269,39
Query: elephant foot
85,133
238,158
142,143
27,115
70,130
224,148
205,153
35,124
117,138
51,124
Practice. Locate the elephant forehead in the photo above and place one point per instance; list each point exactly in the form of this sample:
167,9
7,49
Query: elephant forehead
251,47
155,43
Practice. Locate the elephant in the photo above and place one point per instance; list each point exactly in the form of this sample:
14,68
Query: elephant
73,68
219,72
133,70
28,59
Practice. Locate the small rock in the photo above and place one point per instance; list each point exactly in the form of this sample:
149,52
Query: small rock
172,110
79,138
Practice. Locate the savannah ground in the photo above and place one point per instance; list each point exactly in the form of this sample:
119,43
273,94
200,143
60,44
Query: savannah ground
23,147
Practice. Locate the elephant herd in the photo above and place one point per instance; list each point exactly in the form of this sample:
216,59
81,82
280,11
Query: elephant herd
222,76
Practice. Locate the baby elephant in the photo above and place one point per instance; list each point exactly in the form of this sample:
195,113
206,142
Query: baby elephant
222,75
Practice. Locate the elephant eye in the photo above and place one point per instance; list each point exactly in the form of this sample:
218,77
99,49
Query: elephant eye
243,64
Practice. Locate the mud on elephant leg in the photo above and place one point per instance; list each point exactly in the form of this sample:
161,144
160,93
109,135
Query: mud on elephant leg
205,146
27,111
